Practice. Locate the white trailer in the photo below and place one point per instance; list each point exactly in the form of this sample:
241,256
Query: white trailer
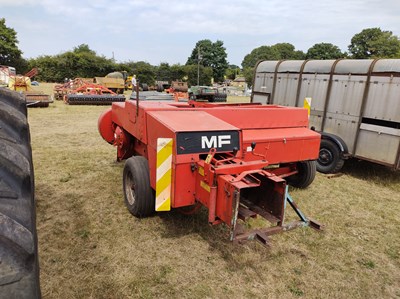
355,105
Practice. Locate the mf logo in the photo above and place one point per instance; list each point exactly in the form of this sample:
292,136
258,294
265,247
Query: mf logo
215,141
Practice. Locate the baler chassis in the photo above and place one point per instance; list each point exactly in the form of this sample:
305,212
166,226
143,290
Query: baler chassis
255,190
248,210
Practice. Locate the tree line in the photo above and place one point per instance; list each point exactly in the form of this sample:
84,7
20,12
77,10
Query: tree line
207,62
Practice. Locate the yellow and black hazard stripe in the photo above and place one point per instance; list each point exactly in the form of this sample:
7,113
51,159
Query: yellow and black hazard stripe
307,105
164,174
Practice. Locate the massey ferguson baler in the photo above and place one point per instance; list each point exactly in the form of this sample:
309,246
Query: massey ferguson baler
235,159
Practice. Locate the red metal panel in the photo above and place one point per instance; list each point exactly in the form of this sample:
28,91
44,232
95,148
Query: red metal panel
183,185
281,145
261,116
190,121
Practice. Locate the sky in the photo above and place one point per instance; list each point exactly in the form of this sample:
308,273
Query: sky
158,31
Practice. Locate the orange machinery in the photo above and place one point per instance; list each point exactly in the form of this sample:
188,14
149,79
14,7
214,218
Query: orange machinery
236,160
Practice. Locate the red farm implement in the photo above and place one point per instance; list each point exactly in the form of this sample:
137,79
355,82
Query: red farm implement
82,92
236,160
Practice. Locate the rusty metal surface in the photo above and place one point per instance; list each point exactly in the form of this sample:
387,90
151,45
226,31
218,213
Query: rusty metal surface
36,99
249,210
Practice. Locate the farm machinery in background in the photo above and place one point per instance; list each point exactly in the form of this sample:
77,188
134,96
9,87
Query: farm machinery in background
82,91
23,85
179,90
210,94
236,160
115,81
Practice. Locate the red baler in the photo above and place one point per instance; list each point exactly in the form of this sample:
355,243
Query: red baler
234,159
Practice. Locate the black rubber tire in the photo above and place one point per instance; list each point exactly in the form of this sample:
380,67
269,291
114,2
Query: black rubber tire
145,87
305,176
19,265
138,194
160,88
220,97
329,160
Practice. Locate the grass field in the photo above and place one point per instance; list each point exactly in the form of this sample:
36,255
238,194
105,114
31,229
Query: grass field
91,247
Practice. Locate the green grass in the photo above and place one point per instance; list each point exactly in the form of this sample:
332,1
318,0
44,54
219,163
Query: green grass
91,247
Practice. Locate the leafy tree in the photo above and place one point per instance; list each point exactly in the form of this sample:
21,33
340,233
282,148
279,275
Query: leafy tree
276,52
206,74
248,75
177,72
287,51
232,72
10,54
84,48
374,43
324,51
81,62
163,72
211,55
49,70
145,72
260,53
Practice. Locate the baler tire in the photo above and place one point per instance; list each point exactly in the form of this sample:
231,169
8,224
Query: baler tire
329,160
19,265
305,176
138,194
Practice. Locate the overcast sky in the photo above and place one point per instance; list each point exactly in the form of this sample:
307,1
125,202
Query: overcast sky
167,31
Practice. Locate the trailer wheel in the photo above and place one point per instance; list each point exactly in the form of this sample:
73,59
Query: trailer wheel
19,267
139,197
305,176
329,160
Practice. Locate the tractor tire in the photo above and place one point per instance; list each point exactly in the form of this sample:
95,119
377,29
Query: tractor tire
19,265
329,160
221,97
138,194
305,176
145,87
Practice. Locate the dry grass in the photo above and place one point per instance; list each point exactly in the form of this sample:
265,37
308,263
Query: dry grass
91,247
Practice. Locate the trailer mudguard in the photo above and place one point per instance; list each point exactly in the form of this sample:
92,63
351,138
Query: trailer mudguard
338,141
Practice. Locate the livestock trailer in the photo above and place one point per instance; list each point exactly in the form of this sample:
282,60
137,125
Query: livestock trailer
355,105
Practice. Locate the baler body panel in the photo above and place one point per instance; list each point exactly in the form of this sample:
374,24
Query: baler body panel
281,145
186,149
260,117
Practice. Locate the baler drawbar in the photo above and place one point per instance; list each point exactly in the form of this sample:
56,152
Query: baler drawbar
236,160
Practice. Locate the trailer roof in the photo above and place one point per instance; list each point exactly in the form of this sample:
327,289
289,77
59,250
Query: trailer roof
343,66
319,66
387,65
267,66
353,66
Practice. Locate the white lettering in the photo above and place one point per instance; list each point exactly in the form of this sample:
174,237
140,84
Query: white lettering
208,143
215,141
224,139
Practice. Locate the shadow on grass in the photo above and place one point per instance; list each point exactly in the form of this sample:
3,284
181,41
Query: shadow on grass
372,172
217,236
178,224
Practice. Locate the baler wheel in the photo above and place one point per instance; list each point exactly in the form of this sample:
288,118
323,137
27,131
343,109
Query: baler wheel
19,265
305,176
139,197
